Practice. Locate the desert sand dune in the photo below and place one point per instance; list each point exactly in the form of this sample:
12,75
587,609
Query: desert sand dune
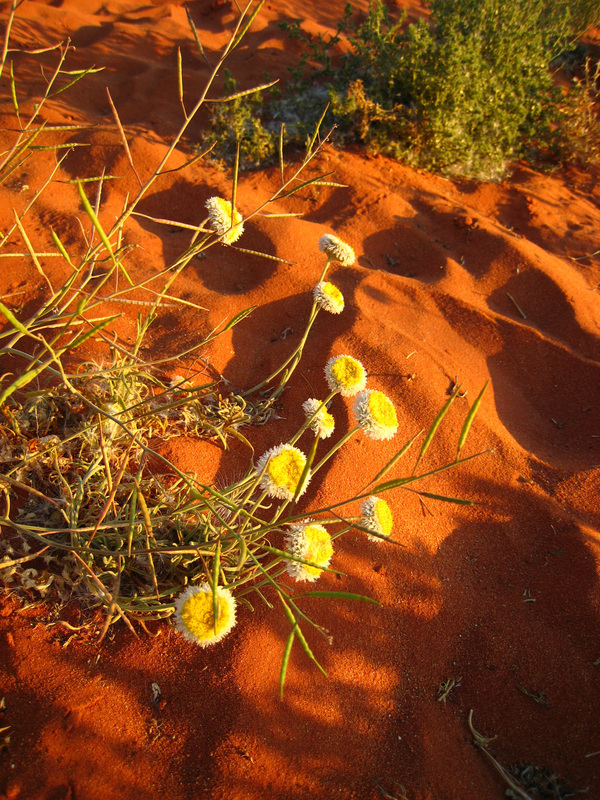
454,281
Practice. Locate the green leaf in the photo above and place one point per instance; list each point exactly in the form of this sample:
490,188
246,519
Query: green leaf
83,337
436,424
286,658
445,499
469,420
339,596
13,320
291,557
96,223
215,586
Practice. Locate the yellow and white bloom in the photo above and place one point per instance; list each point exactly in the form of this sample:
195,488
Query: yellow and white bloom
323,422
375,414
311,542
284,467
376,517
337,250
223,222
329,297
194,614
345,375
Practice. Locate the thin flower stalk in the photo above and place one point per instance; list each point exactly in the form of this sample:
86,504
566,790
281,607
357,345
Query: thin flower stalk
335,448
293,360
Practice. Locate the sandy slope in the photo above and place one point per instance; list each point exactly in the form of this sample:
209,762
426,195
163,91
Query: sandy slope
453,280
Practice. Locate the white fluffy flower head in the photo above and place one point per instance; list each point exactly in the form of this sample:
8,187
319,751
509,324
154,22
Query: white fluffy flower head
323,422
283,467
337,250
226,223
345,375
376,517
375,414
329,297
195,618
309,541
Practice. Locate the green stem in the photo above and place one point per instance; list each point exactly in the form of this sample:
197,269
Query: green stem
336,447
325,268
294,358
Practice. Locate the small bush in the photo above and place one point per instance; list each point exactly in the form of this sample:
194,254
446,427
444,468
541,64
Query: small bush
237,122
462,93
579,126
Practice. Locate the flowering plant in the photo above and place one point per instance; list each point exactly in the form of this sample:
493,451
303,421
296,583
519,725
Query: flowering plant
147,545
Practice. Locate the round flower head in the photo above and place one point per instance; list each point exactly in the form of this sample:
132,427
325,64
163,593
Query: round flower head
337,250
376,415
376,517
220,219
284,467
194,614
311,542
345,375
329,297
323,423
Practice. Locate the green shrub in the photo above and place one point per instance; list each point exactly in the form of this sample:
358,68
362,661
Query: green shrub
237,122
462,93
480,84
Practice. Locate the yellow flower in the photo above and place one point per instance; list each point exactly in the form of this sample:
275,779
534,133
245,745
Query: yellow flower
284,467
220,220
376,415
323,422
337,250
377,517
329,297
194,614
311,542
345,375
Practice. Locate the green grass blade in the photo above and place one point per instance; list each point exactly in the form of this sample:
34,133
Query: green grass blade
13,92
83,337
96,223
308,651
393,460
469,420
339,596
17,325
215,585
286,658
290,557
397,482
22,380
436,424
445,499
61,247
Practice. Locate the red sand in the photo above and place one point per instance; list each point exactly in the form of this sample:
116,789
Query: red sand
501,595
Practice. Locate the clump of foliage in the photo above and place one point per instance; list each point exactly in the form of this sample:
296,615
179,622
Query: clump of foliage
462,93
236,124
578,122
